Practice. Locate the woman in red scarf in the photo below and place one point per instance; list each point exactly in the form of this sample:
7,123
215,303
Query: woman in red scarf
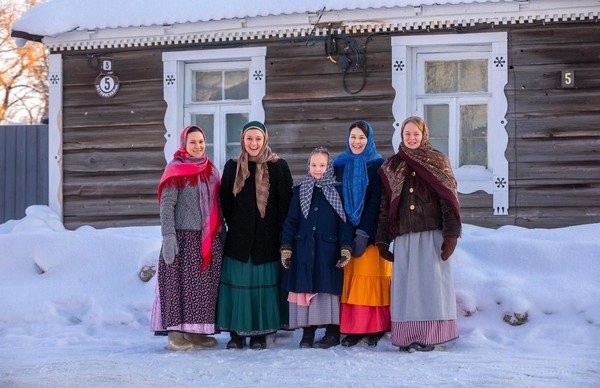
189,268
420,212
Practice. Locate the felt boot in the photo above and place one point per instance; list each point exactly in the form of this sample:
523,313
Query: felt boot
200,340
177,341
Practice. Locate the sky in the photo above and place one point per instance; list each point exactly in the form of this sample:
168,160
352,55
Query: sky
73,312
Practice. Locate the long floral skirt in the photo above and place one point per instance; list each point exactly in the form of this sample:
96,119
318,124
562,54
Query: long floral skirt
186,299
365,300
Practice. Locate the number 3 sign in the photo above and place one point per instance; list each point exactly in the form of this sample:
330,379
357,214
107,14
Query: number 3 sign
107,84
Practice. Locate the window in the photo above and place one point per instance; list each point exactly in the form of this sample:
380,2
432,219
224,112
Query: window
217,99
219,90
456,83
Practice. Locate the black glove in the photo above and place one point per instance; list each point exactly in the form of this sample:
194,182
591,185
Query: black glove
345,256
286,257
448,246
169,248
360,243
222,235
384,251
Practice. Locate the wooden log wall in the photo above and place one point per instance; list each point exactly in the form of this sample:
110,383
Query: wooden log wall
113,148
307,106
554,146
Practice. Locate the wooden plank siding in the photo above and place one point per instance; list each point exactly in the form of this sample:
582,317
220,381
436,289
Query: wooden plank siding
113,148
554,145
307,106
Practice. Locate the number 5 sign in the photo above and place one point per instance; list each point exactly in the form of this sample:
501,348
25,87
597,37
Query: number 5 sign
568,79
107,84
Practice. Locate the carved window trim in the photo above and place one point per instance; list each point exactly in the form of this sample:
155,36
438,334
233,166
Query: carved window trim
495,179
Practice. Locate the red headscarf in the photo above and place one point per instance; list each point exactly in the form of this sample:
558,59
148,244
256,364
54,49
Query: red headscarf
202,173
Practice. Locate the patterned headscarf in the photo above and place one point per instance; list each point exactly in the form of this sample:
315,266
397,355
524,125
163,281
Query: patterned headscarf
202,173
426,161
261,177
355,180
327,183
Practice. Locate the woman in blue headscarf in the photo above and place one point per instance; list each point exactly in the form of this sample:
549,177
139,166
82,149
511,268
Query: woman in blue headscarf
365,299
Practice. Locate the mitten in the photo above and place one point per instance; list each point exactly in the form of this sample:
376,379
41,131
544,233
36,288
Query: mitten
360,243
384,251
345,255
448,246
169,248
286,257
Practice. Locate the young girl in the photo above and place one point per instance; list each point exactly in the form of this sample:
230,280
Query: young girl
189,268
315,245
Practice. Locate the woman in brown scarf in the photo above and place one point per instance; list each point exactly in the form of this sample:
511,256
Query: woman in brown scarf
421,214
256,191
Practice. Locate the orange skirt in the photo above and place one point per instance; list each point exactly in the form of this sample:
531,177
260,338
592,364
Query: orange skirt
367,280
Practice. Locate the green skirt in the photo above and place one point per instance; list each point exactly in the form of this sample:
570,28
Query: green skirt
249,298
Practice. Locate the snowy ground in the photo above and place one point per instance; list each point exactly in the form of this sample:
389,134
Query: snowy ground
74,313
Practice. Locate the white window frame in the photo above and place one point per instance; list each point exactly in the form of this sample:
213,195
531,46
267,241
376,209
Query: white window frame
220,136
218,108
178,114
406,75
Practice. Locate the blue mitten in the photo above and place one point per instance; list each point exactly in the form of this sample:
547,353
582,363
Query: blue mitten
360,243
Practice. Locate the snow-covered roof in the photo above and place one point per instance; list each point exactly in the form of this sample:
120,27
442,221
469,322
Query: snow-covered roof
82,24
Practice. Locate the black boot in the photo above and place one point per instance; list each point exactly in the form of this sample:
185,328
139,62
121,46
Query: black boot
420,348
258,342
373,339
236,342
308,337
351,339
331,338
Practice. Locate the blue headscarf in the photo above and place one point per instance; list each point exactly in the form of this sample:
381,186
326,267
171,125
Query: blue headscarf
355,178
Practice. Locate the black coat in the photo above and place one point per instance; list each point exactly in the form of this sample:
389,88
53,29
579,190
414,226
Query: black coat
247,233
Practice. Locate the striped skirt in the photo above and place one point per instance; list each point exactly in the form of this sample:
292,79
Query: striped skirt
423,304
